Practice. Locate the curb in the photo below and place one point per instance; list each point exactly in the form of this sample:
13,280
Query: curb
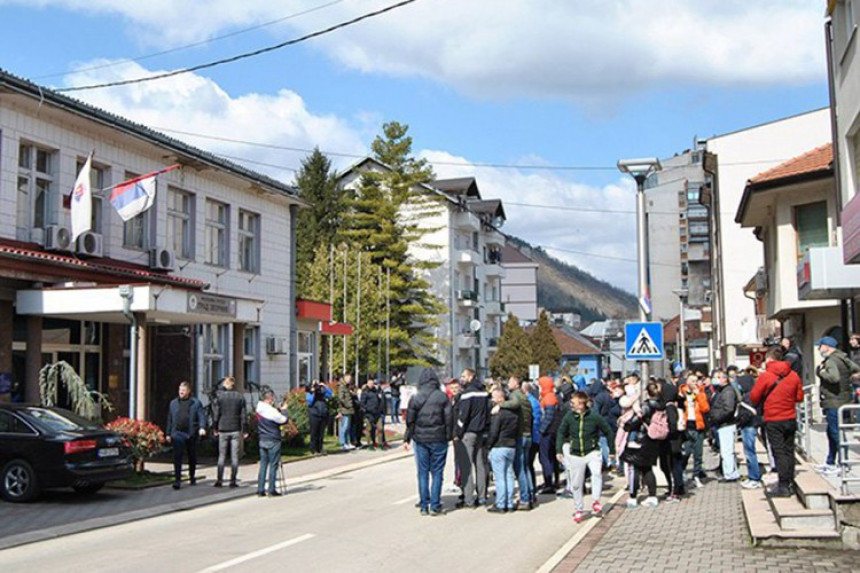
158,510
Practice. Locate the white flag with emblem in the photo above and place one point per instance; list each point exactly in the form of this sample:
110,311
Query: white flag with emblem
82,201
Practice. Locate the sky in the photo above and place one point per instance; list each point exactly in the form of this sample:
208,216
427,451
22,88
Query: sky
537,100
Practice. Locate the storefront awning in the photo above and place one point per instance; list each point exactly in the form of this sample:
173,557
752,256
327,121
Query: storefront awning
158,303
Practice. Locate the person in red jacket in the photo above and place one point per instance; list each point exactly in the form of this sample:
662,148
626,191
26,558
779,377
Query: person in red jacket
777,390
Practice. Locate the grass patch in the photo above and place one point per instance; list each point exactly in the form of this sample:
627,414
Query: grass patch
142,481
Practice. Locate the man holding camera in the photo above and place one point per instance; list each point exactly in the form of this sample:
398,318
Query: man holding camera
316,396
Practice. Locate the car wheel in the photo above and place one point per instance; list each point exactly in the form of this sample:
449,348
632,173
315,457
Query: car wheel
88,488
18,481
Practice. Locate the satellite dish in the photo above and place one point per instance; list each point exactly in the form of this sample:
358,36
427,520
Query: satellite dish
475,325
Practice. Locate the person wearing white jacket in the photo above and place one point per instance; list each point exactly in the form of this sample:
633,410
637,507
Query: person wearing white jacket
269,422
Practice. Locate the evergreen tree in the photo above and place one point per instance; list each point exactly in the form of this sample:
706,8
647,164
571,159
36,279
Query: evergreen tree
544,349
514,353
318,225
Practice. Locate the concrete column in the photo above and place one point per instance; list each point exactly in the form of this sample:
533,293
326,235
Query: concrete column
239,355
7,317
33,359
142,368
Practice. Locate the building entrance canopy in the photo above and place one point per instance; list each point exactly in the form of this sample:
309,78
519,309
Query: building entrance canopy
158,303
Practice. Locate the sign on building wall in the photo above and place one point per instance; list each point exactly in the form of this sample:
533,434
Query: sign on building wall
203,303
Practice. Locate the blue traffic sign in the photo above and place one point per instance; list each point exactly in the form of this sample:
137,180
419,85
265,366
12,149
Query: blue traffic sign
643,341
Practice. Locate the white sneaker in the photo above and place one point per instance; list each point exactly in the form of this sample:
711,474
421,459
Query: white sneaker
821,468
751,484
698,482
832,471
651,502
631,502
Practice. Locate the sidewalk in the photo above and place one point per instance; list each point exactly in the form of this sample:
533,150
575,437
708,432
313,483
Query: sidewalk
63,512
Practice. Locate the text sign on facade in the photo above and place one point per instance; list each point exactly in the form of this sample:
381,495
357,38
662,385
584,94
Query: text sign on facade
202,303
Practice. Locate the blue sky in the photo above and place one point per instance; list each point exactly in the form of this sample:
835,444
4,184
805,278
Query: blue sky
557,83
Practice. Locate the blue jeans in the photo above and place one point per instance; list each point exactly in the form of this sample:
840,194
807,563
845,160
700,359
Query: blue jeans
726,435
394,409
694,446
343,432
604,449
832,415
430,461
524,477
270,459
749,435
502,461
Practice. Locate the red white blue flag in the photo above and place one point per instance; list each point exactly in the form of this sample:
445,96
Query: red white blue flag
133,197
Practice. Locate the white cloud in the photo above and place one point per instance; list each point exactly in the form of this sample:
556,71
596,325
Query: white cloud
583,50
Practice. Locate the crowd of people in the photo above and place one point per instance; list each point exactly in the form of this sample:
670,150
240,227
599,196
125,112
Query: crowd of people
585,433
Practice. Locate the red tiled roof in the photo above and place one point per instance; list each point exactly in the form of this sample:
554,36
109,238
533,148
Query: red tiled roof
819,159
103,270
570,345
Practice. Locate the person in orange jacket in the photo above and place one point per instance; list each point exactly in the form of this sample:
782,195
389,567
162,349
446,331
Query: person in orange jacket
692,406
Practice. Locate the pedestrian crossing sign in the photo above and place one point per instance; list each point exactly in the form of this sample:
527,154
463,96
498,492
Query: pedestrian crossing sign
643,341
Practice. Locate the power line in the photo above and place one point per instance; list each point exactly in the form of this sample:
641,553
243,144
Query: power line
187,46
244,55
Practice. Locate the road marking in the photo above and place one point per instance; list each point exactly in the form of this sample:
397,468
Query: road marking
412,498
258,553
559,555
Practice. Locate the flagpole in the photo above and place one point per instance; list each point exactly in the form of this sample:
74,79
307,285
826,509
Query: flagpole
142,177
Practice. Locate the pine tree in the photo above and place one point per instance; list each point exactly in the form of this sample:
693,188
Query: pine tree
318,225
544,349
514,353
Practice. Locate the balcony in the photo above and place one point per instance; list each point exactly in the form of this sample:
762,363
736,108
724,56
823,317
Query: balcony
494,307
823,274
699,252
494,270
467,221
465,340
467,298
494,238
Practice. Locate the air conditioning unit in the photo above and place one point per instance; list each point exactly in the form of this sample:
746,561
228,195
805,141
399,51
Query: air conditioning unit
90,244
161,259
276,345
58,238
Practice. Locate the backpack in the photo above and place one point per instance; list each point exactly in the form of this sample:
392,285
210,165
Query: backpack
658,427
744,413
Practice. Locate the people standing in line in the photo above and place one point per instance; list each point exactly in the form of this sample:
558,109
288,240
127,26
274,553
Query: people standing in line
316,396
269,422
502,443
671,447
372,405
749,426
345,413
186,420
694,409
473,415
229,426
395,384
518,403
429,426
580,431
641,451
836,372
776,392
550,420
723,408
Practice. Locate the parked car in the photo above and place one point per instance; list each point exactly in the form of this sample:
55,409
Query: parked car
43,448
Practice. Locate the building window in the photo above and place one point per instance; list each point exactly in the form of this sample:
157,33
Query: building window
180,223
217,225
251,354
810,223
214,346
136,231
97,184
249,241
305,357
36,171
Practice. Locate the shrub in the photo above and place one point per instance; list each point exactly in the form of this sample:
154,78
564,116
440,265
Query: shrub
146,438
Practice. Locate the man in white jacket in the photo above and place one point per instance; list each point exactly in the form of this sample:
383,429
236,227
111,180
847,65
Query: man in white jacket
269,422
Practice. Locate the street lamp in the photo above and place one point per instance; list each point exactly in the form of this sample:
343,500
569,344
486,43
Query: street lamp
640,170
682,296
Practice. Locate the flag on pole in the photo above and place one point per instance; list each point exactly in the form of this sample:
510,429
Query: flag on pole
82,201
133,197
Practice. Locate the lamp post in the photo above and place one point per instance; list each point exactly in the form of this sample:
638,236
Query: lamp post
682,350
640,170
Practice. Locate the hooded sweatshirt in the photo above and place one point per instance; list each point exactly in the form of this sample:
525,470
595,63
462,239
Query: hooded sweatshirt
428,417
779,405
549,406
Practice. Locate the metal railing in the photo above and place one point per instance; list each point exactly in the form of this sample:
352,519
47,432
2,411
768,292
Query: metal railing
846,476
804,423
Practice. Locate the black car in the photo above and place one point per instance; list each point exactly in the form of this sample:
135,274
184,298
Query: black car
42,448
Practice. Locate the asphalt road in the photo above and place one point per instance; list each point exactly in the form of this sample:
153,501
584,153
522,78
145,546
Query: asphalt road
361,521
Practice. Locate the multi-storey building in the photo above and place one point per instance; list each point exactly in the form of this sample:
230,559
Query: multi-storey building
198,286
519,285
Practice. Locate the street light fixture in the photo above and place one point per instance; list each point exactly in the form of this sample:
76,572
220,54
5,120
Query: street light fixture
640,169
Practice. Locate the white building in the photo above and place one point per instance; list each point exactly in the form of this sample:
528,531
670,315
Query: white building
465,243
199,286
519,285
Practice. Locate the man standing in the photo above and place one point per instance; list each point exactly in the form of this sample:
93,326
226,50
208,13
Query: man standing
793,356
428,427
316,396
749,431
835,371
520,405
229,425
776,392
503,443
395,384
372,405
346,410
695,407
185,421
473,416
269,422
723,417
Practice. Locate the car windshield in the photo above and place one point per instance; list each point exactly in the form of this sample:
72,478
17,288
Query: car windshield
60,420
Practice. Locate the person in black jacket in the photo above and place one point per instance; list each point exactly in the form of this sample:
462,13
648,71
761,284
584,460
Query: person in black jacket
723,407
643,457
473,416
429,428
316,395
502,443
229,423
372,406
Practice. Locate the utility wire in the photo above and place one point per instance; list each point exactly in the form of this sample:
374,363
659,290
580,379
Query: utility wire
187,46
241,56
